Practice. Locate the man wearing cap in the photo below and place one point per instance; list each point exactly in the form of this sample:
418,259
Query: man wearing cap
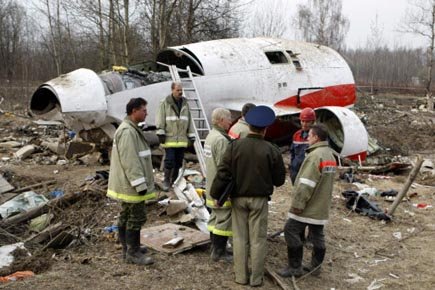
241,128
175,130
300,142
219,223
131,180
256,166
311,200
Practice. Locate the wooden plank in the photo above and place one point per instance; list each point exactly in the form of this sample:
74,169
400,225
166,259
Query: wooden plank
156,237
4,185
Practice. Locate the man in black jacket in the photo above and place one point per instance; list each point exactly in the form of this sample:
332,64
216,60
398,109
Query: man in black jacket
255,166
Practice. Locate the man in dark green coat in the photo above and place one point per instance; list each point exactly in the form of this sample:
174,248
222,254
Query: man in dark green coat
256,166
311,200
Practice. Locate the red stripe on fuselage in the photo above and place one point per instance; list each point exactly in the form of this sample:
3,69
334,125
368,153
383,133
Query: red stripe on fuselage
340,95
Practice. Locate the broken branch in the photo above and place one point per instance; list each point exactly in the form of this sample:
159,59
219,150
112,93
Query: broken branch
408,183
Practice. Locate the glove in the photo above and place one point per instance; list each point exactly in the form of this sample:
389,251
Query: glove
191,141
161,139
142,192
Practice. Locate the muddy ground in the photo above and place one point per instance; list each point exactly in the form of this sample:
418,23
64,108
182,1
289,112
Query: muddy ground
361,252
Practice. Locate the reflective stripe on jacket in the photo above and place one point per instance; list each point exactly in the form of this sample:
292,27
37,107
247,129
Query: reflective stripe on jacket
314,185
176,125
131,169
214,148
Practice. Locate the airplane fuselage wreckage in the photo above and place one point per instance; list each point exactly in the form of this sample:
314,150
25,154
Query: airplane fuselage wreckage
285,75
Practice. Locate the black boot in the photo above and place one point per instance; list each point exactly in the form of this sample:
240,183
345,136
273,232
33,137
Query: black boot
219,250
316,261
167,181
294,267
122,240
134,255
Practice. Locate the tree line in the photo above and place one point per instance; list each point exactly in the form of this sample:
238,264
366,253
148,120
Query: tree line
41,39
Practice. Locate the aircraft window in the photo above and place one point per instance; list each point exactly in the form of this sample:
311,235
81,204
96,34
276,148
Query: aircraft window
276,57
295,59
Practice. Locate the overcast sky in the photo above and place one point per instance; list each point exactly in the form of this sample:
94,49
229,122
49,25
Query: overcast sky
361,14
390,13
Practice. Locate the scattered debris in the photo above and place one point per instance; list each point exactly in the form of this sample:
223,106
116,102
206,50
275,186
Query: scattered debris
360,204
24,152
4,185
6,257
354,278
22,203
20,275
155,237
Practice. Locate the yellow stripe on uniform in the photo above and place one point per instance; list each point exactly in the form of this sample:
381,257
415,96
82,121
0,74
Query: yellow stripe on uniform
210,203
222,233
130,198
174,144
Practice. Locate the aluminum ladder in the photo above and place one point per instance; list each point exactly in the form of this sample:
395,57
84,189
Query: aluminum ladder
199,119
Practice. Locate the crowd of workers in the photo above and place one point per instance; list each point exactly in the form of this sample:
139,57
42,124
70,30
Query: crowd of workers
240,160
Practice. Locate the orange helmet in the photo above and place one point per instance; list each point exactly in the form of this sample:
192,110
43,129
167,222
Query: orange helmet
307,115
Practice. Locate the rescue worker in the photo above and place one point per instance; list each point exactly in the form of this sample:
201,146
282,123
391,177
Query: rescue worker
300,142
131,180
241,128
175,130
256,166
310,204
297,152
219,224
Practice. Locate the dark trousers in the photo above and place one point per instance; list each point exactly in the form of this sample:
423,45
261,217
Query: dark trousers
132,216
174,158
294,229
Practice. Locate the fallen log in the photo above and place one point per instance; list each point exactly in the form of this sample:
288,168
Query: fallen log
29,187
60,202
276,278
49,232
408,183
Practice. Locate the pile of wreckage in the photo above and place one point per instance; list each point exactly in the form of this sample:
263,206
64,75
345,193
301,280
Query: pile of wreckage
29,220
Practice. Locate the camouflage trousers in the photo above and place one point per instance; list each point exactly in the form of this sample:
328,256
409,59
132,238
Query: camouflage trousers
132,216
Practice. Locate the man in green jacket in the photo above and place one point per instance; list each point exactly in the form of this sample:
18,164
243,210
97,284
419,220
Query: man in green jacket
310,204
256,166
131,180
219,223
175,130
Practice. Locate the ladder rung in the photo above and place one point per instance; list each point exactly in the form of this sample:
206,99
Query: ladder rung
189,89
192,99
196,109
202,129
198,119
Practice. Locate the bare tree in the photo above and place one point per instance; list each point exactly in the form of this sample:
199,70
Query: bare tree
374,42
268,18
322,22
420,20
11,26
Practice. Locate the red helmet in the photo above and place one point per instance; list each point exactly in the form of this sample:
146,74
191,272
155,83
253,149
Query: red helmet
307,114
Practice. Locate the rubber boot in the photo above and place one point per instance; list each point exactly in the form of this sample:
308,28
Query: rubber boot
219,252
316,261
134,255
294,267
167,181
121,236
